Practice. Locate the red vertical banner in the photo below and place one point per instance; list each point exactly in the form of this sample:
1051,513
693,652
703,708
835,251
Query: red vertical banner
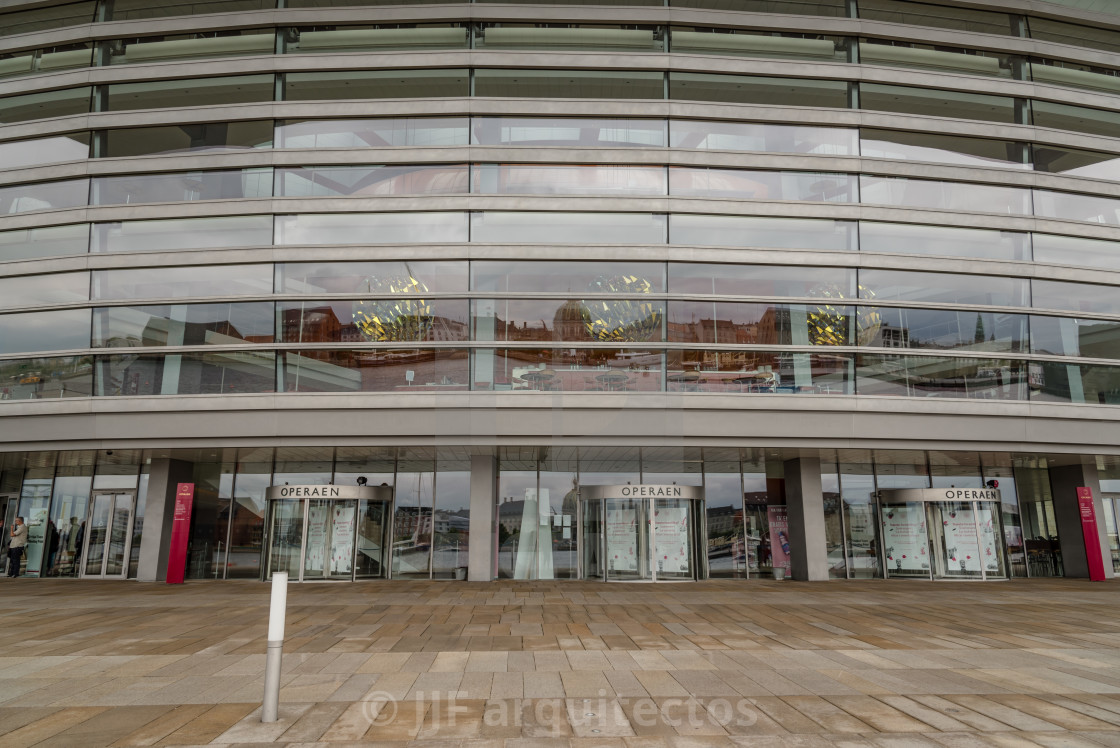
180,533
1089,531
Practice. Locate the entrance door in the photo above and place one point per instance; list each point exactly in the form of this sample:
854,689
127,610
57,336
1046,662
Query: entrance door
642,539
905,540
330,540
108,535
956,540
627,535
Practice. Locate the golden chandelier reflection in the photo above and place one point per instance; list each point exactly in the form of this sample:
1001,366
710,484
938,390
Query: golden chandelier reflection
829,325
621,320
402,318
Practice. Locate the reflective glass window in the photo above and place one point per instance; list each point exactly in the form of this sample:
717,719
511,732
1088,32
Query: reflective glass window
378,370
49,59
47,241
935,57
937,195
948,241
1071,383
1075,297
225,373
1070,336
181,187
183,324
188,138
1071,250
412,521
1077,75
569,370
371,228
762,137
376,84
1076,118
1077,35
758,372
942,149
528,276
933,102
15,154
579,131
762,280
38,290
182,282
373,133
825,187
353,3
71,193
1075,163
43,19
943,288
46,378
729,323
935,376
748,89
394,319
1073,207
569,84
805,7
752,231
627,319
725,41
331,39
435,276
368,181
938,16
512,35
121,10
227,43
61,330
193,92
552,179
182,233
567,228
43,105
884,327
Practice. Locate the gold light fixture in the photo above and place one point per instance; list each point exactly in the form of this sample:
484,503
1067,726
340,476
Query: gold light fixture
405,317
621,320
828,325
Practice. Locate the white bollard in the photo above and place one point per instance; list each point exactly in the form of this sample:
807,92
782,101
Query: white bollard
274,658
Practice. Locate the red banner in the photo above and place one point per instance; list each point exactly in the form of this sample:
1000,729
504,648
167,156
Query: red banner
180,532
1089,532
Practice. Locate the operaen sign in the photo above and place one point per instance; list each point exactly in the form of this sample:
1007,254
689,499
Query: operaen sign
641,491
939,494
367,493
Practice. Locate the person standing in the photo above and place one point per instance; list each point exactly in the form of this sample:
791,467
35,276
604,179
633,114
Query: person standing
15,548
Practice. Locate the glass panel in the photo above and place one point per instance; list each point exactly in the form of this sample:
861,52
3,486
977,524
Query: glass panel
933,102
941,149
377,370
43,105
746,89
47,241
1068,336
42,378
247,523
182,187
688,181
412,522
939,16
394,320
1062,73
185,324
360,228
228,373
44,331
724,41
187,138
49,59
751,231
762,137
857,486
956,543
511,35
762,324
285,537
128,9
353,3
373,133
330,539
1076,118
182,233
527,276
942,288
369,277
451,538
1071,207
331,39
373,519
905,238
569,370
16,154
557,495
209,520
672,538
1058,382
229,43
494,227
369,181
69,506
560,131
592,540
376,84
574,320
933,376
118,535
937,329
627,539
97,534
757,372
39,290
935,57
44,196
762,280
1110,508
934,195
1094,37
569,84
991,539
1075,163
806,7
194,92
42,19
541,179
1070,250
1075,297
904,538
723,504
182,282
138,526
522,546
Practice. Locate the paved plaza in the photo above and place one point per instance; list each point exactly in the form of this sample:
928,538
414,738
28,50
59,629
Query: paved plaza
585,665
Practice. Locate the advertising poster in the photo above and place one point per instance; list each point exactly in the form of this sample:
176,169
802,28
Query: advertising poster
778,519
342,539
904,539
180,533
670,532
622,539
316,538
962,549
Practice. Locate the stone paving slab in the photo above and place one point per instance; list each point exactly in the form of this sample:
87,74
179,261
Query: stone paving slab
862,664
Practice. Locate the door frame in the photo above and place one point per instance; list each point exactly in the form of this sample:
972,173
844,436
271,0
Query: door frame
7,502
114,493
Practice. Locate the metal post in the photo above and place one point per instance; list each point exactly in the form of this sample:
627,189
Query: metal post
275,656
